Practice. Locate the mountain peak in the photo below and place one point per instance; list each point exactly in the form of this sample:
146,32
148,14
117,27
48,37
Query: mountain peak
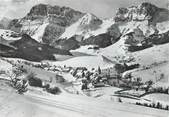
88,18
145,11
40,9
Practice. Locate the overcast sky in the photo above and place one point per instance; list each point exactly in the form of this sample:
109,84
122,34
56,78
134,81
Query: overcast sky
101,8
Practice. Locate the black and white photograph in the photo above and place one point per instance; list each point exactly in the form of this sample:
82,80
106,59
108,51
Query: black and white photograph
84,58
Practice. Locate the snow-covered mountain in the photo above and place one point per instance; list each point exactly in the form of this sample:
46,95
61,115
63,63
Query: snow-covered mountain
83,26
49,24
143,20
45,23
65,28
133,29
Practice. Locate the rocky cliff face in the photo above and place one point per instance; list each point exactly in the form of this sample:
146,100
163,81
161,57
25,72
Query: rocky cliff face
63,16
145,11
51,20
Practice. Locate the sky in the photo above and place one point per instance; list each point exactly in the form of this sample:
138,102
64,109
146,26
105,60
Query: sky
101,8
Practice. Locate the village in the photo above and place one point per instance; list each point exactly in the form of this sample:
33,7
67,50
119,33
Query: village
89,80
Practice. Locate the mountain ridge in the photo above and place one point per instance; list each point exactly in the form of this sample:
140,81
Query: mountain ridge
51,25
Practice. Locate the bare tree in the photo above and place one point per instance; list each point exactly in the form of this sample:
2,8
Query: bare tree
19,84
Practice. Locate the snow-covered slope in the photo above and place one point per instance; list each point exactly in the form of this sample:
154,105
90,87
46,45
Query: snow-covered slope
86,61
5,66
30,27
42,105
130,26
9,35
117,49
156,73
157,97
86,26
38,34
89,25
152,55
88,49
153,65
103,28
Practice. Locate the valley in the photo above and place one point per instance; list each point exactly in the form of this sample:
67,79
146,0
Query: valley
57,61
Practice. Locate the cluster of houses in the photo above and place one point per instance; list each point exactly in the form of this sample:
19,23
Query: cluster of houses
89,78
97,77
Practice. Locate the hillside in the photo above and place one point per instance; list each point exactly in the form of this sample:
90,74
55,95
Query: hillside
29,49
